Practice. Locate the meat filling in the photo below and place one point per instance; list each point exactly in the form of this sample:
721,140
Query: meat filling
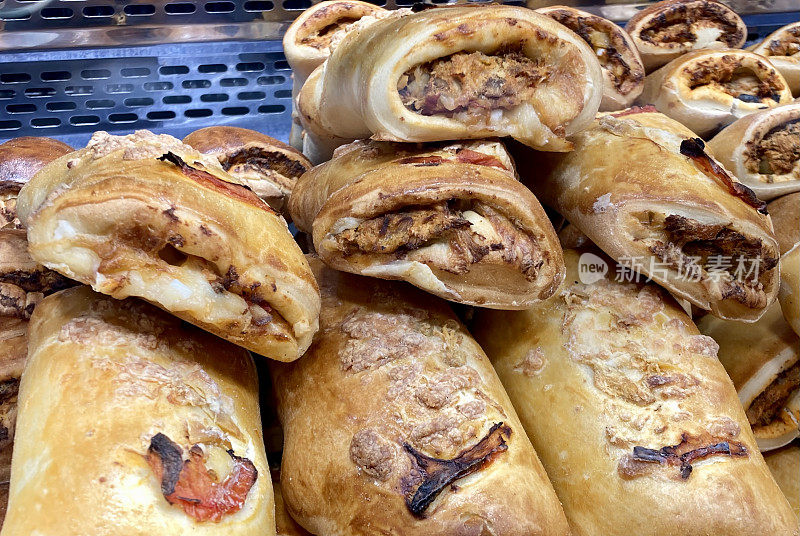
472,84
322,38
8,410
778,152
277,166
726,73
714,252
680,25
768,405
403,232
788,45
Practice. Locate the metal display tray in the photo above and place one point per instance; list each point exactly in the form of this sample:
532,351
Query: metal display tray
71,67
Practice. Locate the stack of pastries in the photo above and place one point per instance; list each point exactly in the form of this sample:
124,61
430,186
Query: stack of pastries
522,306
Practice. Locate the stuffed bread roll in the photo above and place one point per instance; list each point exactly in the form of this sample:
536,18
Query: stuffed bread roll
265,165
668,29
763,150
642,188
450,219
148,216
20,159
785,214
782,48
318,142
706,90
172,444
634,418
789,294
395,423
762,361
784,464
459,73
623,72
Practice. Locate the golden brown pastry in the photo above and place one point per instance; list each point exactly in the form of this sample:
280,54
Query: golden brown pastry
395,423
784,464
131,421
763,150
20,159
623,72
286,526
708,89
668,29
785,214
265,165
642,188
148,216
450,219
634,418
789,295
456,73
762,360
782,48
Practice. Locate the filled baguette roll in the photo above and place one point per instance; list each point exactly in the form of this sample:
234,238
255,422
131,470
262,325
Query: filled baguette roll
782,48
458,73
789,295
784,464
634,418
665,30
762,361
267,166
708,89
172,444
785,214
763,150
148,216
395,423
642,188
623,72
450,219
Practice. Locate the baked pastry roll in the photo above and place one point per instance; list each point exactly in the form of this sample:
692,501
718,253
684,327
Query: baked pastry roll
634,418
148,216
784,464
785,214
782,48
707,90
395,423
789,295
285,525
458,73
172,444
450,219
642,188
265,165
668,29
623,72
763,150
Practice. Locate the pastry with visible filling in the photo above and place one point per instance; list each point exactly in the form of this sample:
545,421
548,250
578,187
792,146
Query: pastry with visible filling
450,219
464,72
763,150
784,464
785,214
395,423
782,48
148,216
668,29
706,90
634,418
763,361
133,422
265,165
623,72
644,189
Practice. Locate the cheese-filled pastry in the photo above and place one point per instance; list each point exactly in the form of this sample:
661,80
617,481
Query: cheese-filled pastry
623,72
668,29
20,159
785,214
450,219
148,216
462,72
395,423
784,464
763,150
782,48
643,189
172,444
634,418
708,89
265,165
789,295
